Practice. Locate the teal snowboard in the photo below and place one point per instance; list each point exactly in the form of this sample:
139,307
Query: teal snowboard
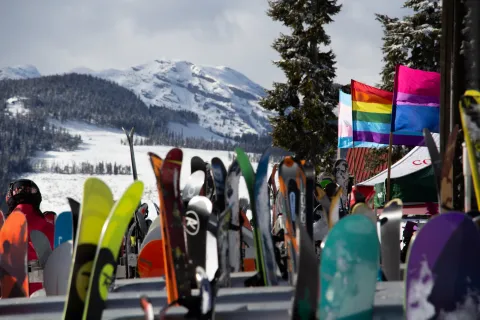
349,267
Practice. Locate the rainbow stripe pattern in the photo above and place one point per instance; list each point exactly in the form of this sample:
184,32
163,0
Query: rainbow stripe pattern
371,113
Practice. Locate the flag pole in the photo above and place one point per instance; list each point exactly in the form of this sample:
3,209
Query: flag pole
389,161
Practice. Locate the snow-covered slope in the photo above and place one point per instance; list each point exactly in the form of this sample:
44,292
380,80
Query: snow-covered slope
225,100
104,145
19,72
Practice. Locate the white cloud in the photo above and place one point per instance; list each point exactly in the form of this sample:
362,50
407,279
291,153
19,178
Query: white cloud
57,36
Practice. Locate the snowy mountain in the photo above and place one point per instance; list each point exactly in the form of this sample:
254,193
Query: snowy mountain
225,100
19,72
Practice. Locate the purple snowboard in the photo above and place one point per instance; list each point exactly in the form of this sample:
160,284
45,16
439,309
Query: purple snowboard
443,278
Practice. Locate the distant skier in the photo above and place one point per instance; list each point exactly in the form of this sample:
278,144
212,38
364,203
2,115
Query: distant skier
25,195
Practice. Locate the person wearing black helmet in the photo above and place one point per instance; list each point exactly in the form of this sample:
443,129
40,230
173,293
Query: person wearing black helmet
24,195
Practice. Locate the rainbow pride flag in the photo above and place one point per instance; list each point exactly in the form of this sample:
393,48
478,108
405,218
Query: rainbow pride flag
416,105
371,114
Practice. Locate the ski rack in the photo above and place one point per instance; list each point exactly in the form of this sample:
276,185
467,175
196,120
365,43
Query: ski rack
232,303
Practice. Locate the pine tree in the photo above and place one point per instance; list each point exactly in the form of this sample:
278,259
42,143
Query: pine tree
413,41
305,123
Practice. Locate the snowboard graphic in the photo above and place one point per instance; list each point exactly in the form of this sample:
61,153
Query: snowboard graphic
150,260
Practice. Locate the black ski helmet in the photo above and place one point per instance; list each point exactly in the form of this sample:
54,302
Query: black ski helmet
23,191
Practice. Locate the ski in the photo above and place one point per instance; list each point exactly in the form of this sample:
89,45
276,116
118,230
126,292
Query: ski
95,208
167,173
469,114
107,251
249,176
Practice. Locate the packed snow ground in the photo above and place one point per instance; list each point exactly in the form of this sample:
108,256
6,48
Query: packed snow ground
103,144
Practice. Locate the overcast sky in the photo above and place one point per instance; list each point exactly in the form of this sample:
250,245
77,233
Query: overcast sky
57,36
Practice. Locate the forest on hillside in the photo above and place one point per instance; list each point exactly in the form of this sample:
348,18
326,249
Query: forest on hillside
95,101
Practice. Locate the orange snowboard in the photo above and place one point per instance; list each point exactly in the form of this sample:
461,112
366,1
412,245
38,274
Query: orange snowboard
13,253
150,261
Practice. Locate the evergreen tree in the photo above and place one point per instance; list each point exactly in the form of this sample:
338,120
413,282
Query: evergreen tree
305,123
413,41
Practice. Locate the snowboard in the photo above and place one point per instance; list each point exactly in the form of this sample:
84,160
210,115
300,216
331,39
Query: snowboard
108,248
235,235
193,187
435,157
41,245
287,175
75,209
219,176
96,205
348,269
197,164
309,171
167,173
263,218
272,185
132,154
56,273
196,221
154,233
363,208
150,260
13,256
340,171
390,220
305,301
334,210
442,278
63,228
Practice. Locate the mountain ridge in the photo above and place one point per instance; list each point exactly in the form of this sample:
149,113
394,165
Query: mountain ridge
226,101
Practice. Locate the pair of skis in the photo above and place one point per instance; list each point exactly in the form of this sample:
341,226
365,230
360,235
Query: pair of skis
101,227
